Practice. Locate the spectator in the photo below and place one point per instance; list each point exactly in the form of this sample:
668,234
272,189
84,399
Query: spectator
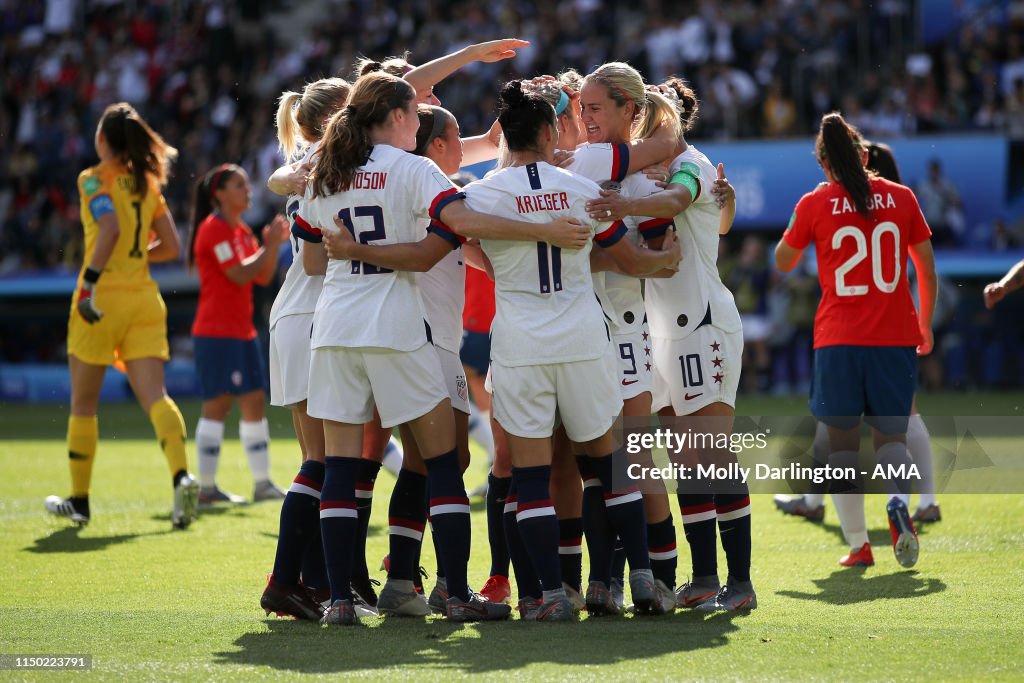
940,204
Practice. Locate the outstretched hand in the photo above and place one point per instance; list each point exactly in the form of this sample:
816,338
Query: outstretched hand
276,233
723,191
497,50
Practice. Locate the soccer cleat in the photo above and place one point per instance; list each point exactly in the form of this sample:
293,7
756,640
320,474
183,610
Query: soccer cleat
859,558
497,589
795,505
664,599
401,603
211,495
618,592
266,490
477,608
642,590
733,597
599,601
341,613
438,600
528,608
74,508
290,601
578,603
904,537
694,593
926,515
363,591
559,609
186,502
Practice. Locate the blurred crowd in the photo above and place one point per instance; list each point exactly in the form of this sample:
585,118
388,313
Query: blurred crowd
206,74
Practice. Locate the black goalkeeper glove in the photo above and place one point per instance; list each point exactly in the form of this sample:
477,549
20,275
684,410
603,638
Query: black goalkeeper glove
86,305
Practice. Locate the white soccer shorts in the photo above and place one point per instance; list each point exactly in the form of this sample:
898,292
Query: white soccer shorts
345,383
702,369
455,379
584,394
289,359
636,362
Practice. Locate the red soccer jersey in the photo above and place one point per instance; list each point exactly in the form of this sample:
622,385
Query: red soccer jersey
862,263
225,309
478,312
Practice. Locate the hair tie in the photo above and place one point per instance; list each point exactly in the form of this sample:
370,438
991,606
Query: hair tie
216,176
563,103
351,110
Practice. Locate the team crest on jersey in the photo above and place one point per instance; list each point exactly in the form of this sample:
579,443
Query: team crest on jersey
91,185
460,387
611,185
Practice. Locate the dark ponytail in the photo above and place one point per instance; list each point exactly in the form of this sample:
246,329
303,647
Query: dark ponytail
839,146
345,145
882,162
204,203
137,146
522,116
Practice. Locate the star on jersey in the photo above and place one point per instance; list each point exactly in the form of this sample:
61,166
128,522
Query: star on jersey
718,378
717,362
645,335
647,350
715,346
648,366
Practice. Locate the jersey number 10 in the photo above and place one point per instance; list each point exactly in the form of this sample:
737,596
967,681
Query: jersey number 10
861,243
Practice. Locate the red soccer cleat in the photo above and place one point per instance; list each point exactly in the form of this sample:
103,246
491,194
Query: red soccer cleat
859,558
497,589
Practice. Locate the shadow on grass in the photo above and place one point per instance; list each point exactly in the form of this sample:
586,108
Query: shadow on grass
397,643
854,585
70,540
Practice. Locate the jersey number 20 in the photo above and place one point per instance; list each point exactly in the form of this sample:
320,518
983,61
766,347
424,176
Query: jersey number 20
861,243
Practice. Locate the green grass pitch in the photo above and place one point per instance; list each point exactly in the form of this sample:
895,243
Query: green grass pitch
152,604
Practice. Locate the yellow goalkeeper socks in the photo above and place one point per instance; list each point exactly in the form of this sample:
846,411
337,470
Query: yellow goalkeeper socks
83,433
170,432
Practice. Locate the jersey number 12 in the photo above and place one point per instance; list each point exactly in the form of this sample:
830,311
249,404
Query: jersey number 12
365,236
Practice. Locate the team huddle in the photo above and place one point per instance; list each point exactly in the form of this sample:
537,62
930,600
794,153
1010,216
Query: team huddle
600,229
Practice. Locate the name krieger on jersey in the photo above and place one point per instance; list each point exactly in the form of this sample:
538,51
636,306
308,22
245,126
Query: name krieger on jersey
368,180
841,205
550,201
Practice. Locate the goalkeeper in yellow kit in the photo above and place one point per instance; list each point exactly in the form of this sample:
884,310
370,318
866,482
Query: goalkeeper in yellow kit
117,314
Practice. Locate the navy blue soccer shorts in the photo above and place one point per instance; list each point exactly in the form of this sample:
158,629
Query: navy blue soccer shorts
229,366
875,381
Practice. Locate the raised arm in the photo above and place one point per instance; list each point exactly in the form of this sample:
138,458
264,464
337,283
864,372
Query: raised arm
259,267
433,72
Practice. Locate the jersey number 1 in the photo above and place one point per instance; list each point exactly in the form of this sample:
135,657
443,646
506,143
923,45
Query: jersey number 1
136,252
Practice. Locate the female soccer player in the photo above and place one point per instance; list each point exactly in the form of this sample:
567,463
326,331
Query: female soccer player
536,369
866,330
300,122
364,176
123,319
228,357
697,347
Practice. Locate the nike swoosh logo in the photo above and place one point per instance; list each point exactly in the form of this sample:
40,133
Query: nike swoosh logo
700,598
627,382
690,398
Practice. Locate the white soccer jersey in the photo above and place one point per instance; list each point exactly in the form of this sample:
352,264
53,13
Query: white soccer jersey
299,292
443,289
363,305
695,295
546,311
625,293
